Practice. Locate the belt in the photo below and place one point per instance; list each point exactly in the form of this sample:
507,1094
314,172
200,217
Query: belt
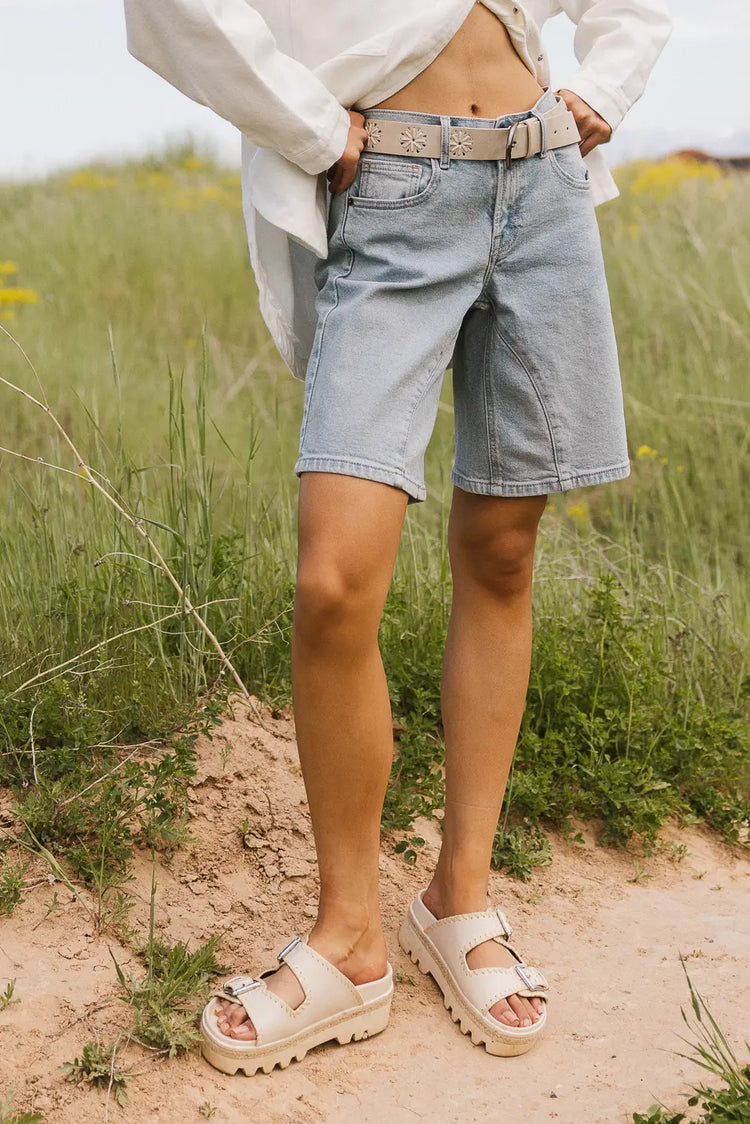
516,141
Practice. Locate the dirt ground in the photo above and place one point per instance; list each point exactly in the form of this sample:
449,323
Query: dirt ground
609,945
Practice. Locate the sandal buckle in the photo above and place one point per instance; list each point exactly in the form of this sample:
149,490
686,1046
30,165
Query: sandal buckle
240,984
522,970
285,951
507,931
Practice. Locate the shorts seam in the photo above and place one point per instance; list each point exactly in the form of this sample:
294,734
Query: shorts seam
313,372
424,387
537,392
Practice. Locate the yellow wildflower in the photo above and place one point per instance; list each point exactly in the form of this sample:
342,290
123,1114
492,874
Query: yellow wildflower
646,453
8,267
193,164
663,178
578,512
7,314
90,181
680,467
154,181
18,296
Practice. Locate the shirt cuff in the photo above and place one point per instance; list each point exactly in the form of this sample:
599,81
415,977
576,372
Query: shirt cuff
319,156
608,103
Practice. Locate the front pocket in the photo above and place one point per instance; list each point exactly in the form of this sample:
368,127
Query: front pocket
383,183
569,165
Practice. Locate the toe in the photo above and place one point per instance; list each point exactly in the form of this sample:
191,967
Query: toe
521,1008
504,1013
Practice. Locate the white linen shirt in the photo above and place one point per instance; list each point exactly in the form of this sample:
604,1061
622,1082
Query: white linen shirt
283,72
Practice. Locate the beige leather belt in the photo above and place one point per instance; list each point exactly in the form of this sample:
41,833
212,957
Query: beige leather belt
517,141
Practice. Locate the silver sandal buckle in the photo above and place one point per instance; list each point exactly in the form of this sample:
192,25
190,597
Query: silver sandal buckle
238,985
285,951
521,969
507,931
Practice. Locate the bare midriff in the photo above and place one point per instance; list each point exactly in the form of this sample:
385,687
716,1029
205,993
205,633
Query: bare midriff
478,74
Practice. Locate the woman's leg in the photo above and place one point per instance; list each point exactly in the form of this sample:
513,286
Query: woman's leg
485,679
349,531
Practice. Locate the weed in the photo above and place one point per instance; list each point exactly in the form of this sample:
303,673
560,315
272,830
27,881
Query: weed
9,1114
6,997
169,998
208,1110
12,885
640,874
711,1051
406,847
96,1067
519,850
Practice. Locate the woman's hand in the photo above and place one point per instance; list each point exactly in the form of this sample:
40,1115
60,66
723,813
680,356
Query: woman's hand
341,174
594,129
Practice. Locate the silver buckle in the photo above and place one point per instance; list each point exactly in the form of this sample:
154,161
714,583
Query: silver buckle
521,969
238,985
509,143
285,951
507,931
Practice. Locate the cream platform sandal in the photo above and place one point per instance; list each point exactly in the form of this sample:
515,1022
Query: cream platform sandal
333,1007
440,947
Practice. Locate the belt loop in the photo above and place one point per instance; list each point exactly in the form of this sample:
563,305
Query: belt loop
543,127
445,142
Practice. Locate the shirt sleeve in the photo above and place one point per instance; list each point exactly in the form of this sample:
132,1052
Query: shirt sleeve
617,43
222,54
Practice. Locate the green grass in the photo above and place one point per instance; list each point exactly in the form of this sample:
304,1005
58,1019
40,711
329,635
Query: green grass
150,349
712,1052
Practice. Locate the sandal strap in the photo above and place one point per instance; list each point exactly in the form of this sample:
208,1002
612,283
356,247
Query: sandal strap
498,983
327,991
457,935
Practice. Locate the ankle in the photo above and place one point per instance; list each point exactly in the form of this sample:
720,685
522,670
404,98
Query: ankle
447,897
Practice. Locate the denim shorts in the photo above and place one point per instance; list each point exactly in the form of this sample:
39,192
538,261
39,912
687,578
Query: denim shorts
496,272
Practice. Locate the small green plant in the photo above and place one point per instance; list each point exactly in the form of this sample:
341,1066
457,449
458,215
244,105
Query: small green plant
711,1051
96,1067
6,998
207,1109
12,885
9,1115
519,850
406,847
640,874
168,999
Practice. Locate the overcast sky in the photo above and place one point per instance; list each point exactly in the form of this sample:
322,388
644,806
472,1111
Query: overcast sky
71,92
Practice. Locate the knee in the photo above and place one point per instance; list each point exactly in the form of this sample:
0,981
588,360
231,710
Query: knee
332,602
499,561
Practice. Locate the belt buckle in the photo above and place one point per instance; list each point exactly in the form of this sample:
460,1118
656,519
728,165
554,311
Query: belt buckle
509,143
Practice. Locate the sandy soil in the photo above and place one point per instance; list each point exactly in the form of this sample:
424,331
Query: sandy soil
610,947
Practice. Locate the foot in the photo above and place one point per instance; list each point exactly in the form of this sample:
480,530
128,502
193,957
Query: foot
516,1010
361,957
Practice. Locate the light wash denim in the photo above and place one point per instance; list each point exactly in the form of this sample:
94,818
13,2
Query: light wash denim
497,272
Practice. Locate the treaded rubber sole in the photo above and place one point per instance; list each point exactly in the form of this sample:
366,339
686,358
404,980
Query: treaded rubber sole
359,1025
499,1043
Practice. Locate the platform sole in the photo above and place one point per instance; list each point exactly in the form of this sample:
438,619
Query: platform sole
506,1044
353,1026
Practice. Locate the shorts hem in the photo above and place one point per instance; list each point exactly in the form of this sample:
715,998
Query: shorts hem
541,487
365,470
